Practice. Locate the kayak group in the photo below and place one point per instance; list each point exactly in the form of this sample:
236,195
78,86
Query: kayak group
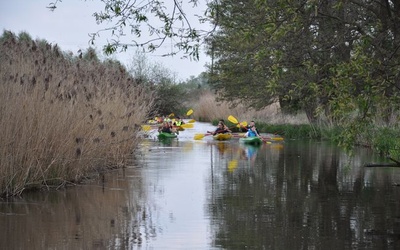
171,126
221,133
251,135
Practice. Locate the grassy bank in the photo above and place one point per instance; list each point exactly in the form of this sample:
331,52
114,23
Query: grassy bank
63,117
270,120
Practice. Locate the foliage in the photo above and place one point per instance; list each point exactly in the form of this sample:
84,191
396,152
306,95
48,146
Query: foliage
157,20
386,141
170,96
290,131
335,60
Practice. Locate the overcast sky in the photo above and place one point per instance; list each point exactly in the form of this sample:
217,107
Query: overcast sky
69,26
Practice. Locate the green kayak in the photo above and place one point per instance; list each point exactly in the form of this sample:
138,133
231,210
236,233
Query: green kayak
251,140
163,135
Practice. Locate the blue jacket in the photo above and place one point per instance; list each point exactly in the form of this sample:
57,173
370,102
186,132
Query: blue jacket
251,133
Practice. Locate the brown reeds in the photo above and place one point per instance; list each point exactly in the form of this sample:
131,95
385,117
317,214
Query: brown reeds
208,109
63,117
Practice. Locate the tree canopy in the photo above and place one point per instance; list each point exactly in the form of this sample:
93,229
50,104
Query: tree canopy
337,61
313,56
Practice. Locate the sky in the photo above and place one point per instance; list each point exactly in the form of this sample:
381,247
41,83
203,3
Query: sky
69,27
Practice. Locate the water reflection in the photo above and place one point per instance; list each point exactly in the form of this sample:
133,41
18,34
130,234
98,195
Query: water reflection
306,196
206,194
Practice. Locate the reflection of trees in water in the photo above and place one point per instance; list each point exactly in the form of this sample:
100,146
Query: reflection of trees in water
305,196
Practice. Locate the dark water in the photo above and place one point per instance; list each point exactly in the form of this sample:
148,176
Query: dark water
186,194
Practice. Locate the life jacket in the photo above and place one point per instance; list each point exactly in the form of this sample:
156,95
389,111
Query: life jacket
251,133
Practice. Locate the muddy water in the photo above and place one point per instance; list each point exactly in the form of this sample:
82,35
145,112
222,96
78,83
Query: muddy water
187,194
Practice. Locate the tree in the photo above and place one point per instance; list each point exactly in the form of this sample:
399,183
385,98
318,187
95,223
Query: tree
293,52
335,60
158,20
169,96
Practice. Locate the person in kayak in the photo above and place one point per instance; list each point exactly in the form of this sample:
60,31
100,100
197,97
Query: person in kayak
252,132
221,129
166,128
248,127
178,121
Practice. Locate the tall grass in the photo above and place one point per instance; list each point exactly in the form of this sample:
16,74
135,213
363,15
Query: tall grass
63,117
208,109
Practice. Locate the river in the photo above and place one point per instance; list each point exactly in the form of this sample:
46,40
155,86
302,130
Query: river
204,194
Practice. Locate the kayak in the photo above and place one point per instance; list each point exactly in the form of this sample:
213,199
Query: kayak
222,137
251,140
163,135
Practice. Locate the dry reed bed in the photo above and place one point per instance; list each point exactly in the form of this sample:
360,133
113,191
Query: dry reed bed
63,117
208,109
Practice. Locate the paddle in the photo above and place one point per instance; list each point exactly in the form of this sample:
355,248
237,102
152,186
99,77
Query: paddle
271,138
190,111
238,135
146,127
233,120
187,125
201,136
268,139
264,140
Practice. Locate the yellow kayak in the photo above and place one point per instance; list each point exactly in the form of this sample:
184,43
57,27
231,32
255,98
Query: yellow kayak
222,137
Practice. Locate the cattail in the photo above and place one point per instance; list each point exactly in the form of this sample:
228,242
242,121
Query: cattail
78,152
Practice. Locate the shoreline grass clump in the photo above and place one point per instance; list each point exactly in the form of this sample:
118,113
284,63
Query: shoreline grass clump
63,117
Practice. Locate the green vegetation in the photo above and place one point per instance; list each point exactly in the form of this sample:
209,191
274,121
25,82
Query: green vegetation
169,96
336,61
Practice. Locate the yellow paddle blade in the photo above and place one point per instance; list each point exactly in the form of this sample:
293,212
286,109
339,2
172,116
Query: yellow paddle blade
146,127
191,121
232,165
171,115
242,124
190,111
199,136
187,125
232,119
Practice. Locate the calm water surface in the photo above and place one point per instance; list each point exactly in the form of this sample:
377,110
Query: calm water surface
186,194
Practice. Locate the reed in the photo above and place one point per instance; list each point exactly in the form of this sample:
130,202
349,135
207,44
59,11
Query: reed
208,109
63,117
